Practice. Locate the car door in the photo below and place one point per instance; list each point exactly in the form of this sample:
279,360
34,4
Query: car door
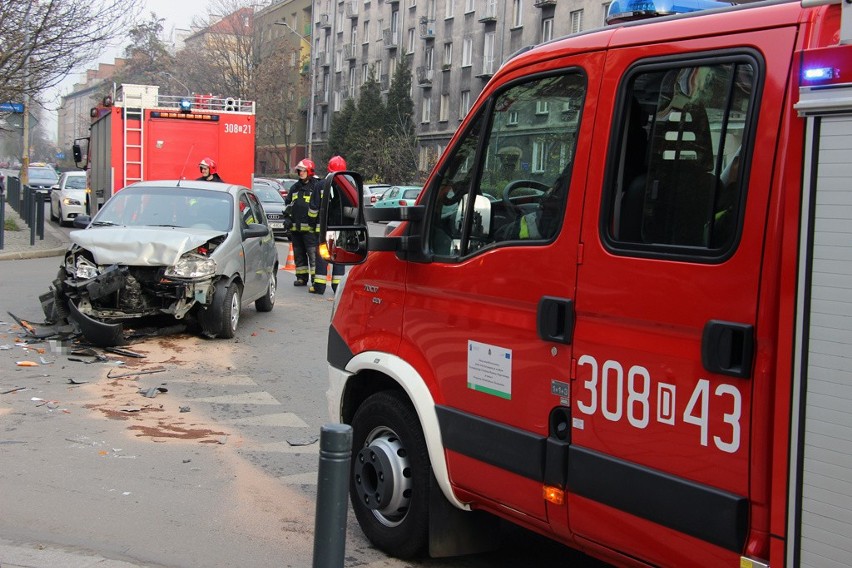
256,250
487,319
667,299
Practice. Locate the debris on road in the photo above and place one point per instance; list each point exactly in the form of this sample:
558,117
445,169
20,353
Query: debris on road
134,373
152,392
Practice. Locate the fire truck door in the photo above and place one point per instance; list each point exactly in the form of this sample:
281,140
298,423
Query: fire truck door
489,318
667,298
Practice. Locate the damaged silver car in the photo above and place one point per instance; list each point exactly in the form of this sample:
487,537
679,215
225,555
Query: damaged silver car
186,249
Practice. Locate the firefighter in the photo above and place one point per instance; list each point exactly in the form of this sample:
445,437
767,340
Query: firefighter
335,164
208,170
304,201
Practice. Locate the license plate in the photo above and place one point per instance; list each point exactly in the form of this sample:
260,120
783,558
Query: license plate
277,225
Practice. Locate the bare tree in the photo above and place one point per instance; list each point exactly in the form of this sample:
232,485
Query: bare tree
42,42
281,90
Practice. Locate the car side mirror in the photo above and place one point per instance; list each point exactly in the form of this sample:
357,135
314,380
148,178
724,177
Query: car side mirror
342,227
255,230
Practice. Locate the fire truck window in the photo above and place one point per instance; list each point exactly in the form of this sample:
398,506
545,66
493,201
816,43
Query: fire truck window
515,191
678,180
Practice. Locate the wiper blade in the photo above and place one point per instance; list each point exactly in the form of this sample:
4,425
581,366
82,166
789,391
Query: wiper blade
104,224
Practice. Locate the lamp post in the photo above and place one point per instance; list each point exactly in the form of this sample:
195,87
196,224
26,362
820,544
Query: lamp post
310,136
176,80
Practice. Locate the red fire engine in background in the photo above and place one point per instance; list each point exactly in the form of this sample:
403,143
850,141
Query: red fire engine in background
138,134
620,314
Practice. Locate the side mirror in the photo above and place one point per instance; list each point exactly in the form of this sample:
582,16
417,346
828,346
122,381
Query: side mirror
344,232
78,154
255,230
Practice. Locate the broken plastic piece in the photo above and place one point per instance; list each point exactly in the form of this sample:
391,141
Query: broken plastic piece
26,364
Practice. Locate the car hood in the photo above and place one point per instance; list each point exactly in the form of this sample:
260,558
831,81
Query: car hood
140,246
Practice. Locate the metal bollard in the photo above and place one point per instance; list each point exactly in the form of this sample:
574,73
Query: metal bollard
2,219
32,202
40,214
332,495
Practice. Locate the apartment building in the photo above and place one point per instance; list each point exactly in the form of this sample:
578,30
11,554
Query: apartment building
454,47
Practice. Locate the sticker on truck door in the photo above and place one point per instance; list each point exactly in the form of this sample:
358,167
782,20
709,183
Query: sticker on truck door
489,369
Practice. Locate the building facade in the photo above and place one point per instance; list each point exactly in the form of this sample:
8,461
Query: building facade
453,46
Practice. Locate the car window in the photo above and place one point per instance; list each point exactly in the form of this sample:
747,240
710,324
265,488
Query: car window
411,194
267,194
518,186
38,173
679,181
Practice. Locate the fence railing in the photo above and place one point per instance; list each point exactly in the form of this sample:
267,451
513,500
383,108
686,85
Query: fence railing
28,203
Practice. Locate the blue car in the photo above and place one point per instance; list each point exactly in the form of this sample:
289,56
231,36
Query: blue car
399,196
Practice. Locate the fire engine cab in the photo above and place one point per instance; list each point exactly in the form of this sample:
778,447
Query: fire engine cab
138,134
620,314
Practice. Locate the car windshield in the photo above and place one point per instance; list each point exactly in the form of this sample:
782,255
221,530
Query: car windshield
75,182
43,174
267,194
168,207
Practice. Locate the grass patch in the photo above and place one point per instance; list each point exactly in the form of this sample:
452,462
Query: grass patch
10,225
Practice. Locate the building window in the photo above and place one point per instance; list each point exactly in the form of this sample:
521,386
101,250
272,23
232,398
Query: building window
517,13
576,21
410,43
429,58
366,31
512,119
449,8
539,157
380,29
605,7
464,104
547,29
467,52
448,54
444,110
426,114
542,107
365,73
488,54
469,6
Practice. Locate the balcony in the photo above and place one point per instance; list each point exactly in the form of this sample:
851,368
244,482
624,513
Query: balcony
427,29
348,52
351,9
489,14
424,76
384,83
543,3
391,38
323,58
324,21
322,98
487,68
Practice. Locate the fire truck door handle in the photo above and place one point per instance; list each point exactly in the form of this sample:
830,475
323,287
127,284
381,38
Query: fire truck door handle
727,348
556,319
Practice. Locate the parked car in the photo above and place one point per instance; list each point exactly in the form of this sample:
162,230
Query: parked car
373,192
40,176
68,197
182,249
399,196
277,212
286,184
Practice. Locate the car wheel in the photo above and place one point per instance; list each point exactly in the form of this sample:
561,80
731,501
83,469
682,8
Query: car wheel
53,216
389,485
222,316
266,302
62,221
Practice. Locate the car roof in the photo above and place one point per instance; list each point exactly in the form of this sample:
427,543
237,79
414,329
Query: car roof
190,184
73,174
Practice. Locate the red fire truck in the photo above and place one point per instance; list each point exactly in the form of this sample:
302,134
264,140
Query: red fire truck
138,134
620,314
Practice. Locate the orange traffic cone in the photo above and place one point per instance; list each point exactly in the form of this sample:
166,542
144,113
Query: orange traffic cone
291,260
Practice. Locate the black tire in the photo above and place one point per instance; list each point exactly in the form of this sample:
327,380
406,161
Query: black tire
222,316
266,302
391,474
53,217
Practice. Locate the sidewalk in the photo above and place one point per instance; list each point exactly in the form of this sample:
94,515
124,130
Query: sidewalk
32,555
16,244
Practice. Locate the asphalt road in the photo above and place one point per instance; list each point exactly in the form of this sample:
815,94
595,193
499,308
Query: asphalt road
218,469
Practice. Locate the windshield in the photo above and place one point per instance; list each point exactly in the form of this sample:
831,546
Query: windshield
168,207
267,194
75,182
43,174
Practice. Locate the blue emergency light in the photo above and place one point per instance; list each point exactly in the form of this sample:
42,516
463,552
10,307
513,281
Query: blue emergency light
185,105
627,10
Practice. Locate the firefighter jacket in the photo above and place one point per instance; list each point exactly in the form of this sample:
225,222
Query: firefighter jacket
305,200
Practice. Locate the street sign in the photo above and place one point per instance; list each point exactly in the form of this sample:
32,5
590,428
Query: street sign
12,107
60,155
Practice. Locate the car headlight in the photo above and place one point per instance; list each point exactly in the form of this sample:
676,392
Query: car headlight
84,270
192,265
71,201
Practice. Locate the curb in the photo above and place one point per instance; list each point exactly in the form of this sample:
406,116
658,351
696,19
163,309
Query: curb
37,253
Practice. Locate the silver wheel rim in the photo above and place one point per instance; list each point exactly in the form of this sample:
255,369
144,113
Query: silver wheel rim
382,476
273,284
235,310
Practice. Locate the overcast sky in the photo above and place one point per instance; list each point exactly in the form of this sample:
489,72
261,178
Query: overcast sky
177,14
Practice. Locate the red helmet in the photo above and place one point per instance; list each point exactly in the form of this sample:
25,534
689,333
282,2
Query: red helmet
307,165
209,164
337,164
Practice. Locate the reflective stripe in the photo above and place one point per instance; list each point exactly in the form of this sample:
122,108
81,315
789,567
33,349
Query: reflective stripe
524,232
